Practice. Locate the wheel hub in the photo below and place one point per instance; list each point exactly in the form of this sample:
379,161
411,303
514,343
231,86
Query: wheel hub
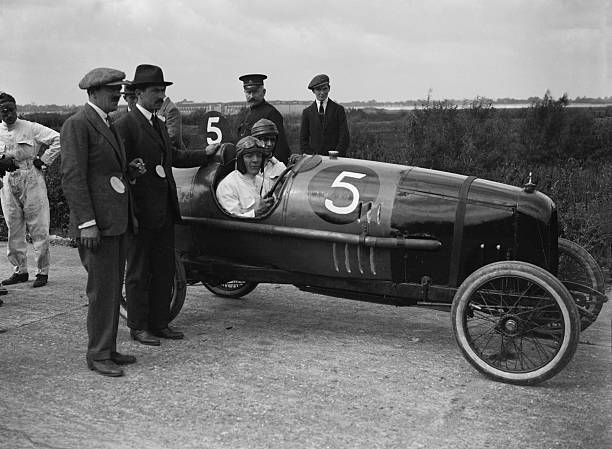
510,326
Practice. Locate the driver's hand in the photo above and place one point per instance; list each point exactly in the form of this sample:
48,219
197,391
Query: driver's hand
262,205
90,237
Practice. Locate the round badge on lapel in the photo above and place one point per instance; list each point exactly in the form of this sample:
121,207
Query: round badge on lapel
160,171
117,184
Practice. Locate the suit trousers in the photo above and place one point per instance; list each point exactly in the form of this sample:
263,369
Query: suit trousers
150,277
105,269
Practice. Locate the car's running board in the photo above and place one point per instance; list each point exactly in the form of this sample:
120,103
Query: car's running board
313,234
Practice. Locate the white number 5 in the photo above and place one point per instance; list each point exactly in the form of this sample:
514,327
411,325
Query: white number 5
343,210
213,129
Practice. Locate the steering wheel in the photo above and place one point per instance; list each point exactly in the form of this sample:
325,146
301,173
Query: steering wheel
277,182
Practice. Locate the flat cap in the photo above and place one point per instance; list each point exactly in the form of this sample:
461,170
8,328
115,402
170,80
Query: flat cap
6,98
102,76
318,80
253,79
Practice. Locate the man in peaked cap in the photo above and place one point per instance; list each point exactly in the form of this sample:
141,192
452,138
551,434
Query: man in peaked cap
24,192
258,108
150,257
323,127
96,181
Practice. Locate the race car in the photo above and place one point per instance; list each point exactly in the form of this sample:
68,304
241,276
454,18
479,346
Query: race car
487,252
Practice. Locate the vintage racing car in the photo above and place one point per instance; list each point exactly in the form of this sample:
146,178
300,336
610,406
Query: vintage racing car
488,252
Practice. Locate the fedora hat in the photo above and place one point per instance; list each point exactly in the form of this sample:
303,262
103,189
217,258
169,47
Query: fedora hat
149,75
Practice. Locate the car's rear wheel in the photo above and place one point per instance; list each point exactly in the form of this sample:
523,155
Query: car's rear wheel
179,291
515,322
576,265
231,289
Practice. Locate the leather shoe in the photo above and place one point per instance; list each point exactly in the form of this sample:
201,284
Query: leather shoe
168,333
16,278
41,279
144,337
122,359
105,367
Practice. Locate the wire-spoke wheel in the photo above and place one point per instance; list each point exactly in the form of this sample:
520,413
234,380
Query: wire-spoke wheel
577,266
179,291
515,322
231,289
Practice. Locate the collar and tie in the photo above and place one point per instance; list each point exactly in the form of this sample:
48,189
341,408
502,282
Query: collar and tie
321,112
155,123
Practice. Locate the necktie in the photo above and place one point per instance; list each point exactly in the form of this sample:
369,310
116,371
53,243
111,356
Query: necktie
156,126
321,112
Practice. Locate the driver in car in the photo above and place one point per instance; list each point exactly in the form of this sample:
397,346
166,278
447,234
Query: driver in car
241,193
266,131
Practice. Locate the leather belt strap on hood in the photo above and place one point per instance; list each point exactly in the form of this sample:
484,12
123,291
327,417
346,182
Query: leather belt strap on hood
457,250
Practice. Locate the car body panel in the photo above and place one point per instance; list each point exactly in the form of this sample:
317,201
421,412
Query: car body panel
354,219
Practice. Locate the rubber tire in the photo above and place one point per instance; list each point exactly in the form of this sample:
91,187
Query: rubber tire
590,269
179,291
225,291
534,275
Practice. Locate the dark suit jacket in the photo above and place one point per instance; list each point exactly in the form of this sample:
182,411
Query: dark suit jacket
249,116
332,134
91,155
154,197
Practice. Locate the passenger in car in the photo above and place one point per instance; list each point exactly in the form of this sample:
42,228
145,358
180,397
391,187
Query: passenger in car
241,192
266,131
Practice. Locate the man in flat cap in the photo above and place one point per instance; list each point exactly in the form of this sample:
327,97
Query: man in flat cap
96,180
150,258
24,193
324,127
258,108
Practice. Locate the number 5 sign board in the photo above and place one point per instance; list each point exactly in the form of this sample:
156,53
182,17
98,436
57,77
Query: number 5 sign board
336,193
216,127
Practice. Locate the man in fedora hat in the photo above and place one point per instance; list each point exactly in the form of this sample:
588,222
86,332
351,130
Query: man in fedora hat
150,257
323,127
96,182
258,108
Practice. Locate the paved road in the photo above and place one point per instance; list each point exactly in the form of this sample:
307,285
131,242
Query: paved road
282,369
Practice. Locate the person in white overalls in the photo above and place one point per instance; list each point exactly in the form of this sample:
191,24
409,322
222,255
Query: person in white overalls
24,193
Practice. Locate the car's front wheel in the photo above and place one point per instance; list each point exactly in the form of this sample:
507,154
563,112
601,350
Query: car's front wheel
515,322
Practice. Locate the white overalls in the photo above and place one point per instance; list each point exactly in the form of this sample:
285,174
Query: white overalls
24,193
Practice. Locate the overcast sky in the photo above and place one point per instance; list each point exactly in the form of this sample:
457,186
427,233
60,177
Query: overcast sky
388,50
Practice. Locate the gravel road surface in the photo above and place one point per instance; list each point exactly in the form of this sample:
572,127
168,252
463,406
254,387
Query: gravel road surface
279,369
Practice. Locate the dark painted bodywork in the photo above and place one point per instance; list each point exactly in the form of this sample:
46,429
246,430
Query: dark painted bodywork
366,230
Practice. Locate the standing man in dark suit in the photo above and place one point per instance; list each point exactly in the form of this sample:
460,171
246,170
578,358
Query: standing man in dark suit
324,126
150,258
258,108
95,181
